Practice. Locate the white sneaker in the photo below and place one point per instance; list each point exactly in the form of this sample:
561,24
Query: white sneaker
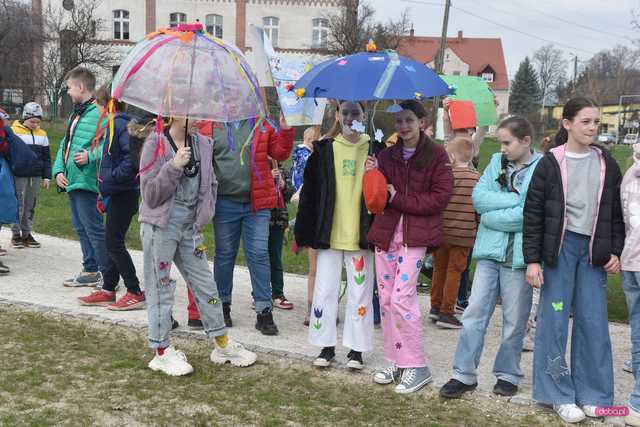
569,412
172,362
233,353
633,419
628,366
590,411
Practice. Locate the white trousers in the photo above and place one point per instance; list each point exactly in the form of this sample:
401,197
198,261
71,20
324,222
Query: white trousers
358,318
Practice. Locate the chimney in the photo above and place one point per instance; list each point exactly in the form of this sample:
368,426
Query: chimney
459,35
412,32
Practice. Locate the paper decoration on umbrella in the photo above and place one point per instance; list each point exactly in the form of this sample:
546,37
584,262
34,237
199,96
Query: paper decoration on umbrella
462,115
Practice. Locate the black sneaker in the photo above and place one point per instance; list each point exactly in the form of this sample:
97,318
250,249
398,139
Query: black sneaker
17,242
448,321
454,389
355,360
326,356
3,269
427,271
505,388
174,323
434,314
195,324
264,323
226,312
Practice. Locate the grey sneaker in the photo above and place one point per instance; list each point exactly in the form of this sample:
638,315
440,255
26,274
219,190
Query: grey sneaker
85,279
628,366
413,379
389,375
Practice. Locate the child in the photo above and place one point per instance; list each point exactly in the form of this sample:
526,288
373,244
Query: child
75,171
277,226
178,190
28,183
460,225
630,263
420,184
120,192
573,224
8,202
499,198
333,219
299,157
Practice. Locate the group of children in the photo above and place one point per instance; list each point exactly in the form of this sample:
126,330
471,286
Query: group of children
554,222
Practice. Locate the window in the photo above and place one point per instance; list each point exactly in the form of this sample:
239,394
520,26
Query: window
121,24
320,34
214,25
271,28
487,77
177,18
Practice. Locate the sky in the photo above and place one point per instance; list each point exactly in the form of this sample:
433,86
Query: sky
578,27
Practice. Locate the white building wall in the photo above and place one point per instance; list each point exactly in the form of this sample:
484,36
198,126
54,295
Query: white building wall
199,9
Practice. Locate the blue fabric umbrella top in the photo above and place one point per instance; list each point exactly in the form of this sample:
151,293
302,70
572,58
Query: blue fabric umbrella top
369,76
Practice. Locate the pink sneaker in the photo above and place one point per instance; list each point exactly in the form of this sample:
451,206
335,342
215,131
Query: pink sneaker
129,301
282,303
98,298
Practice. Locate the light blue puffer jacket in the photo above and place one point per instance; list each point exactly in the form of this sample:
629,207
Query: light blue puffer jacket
501,213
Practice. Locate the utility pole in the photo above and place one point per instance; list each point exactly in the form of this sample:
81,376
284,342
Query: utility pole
575,73
439,60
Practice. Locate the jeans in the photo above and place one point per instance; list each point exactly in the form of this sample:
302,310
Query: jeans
490,281
276,243
465,284
232,221
631,286
162,247
120,211
89,225
573,284
27,191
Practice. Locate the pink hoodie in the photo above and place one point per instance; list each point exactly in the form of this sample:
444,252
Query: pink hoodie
630,196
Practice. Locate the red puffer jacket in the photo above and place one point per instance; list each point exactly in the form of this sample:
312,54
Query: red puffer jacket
422,194
270,144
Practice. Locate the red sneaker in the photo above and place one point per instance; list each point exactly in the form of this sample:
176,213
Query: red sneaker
129,301
98,298
282,303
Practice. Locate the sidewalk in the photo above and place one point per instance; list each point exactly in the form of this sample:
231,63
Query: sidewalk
37,274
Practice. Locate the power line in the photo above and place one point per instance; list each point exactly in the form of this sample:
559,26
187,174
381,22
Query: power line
508,27
577,24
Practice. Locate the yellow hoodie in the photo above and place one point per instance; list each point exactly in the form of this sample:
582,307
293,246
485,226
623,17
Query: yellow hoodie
348,160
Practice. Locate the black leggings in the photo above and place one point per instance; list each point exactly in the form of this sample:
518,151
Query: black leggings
120,211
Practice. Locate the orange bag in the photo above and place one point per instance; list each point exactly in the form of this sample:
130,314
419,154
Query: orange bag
374,188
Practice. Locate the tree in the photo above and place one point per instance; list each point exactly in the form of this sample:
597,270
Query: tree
72,38
352,27
525,90
551,67
18,38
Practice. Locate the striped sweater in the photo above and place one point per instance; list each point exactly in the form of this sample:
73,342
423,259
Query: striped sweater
460,218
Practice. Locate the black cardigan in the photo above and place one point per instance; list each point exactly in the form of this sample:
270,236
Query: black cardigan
544,214
318,198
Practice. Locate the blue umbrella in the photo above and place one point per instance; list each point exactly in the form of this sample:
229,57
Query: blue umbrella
369,76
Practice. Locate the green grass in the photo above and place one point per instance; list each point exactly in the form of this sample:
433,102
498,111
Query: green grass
53,217
64,371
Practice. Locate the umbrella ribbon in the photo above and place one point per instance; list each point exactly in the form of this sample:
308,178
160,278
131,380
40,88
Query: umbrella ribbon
385,79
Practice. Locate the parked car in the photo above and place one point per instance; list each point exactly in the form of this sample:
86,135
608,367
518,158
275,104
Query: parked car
630,138
607,138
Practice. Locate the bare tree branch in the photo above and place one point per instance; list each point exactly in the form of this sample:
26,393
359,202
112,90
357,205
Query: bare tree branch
551,67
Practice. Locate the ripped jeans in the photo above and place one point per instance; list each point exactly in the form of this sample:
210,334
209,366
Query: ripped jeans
573,284
177,243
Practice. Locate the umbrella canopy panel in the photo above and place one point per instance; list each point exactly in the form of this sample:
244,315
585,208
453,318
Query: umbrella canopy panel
198,77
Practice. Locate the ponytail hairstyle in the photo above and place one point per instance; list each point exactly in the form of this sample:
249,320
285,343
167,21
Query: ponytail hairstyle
418,109
103,96
519,127
569,112
336,128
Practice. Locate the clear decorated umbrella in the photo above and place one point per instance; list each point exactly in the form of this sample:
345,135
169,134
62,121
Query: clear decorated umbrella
185,72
